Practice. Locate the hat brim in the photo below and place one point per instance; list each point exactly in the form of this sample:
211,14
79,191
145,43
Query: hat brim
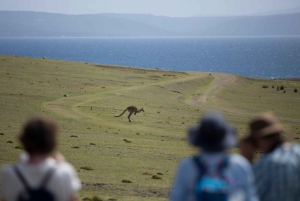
228,141
270,130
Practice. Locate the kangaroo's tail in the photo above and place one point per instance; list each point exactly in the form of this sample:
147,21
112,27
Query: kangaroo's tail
122,113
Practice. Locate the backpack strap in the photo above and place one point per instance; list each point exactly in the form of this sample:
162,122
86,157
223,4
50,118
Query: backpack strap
47,177
202,168
223,164
43,183
21,177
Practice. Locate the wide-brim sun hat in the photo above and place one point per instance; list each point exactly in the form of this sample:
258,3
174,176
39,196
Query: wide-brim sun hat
213,133
265,124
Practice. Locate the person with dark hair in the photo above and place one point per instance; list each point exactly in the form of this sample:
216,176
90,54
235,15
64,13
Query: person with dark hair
40,171
277,172
213,174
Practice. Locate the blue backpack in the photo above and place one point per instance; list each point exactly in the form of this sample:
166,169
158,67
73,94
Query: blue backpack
38,194
211,186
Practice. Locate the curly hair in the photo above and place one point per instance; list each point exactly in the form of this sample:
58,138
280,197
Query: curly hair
39,136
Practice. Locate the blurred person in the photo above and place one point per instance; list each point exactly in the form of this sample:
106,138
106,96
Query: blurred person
40,173
214,175
277,171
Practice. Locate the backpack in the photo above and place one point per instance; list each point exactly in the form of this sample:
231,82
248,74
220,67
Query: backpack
211,186
35,194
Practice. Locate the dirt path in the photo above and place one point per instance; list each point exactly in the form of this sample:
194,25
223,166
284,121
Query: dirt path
221,80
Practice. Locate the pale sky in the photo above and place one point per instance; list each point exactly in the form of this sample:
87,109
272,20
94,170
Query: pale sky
173,8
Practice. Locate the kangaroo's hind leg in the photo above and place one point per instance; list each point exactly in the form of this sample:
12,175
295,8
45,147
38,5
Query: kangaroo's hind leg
129,116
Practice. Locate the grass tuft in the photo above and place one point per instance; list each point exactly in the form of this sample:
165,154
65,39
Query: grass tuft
156,177
126,181
127,141
87,168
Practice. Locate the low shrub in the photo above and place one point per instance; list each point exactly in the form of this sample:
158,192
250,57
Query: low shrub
9,141
75,147
126,181
95,198
87,168
281,87
265,86
128,141
18,147
92,143
156,177
295,90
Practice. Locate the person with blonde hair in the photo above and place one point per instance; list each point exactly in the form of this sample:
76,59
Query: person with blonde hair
38,175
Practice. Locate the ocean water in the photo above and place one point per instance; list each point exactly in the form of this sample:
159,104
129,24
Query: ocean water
265,57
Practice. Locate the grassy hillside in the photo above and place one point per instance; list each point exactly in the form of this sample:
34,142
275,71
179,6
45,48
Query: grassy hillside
85,97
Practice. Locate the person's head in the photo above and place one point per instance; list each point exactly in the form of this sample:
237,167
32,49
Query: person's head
39,136
213,134
266,131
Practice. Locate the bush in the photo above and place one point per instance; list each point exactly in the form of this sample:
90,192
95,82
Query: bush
96,198
281,87
284,91
9,141
156,177
265,86
126,181
295,90
86,168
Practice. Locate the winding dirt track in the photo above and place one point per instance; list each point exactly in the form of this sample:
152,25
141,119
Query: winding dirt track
221,81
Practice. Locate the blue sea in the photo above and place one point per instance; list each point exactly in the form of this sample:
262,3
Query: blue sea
265,57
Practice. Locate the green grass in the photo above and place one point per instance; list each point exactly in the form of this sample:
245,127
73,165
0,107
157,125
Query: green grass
155,140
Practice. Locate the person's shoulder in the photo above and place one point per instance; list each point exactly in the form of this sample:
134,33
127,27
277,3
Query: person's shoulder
239,160
64,168
295,147
187,163
7,169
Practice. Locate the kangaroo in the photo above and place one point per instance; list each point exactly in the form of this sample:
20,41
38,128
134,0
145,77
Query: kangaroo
131,110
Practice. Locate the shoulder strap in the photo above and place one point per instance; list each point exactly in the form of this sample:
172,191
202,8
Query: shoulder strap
200,165
223,164
47,177
43,183
21,177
